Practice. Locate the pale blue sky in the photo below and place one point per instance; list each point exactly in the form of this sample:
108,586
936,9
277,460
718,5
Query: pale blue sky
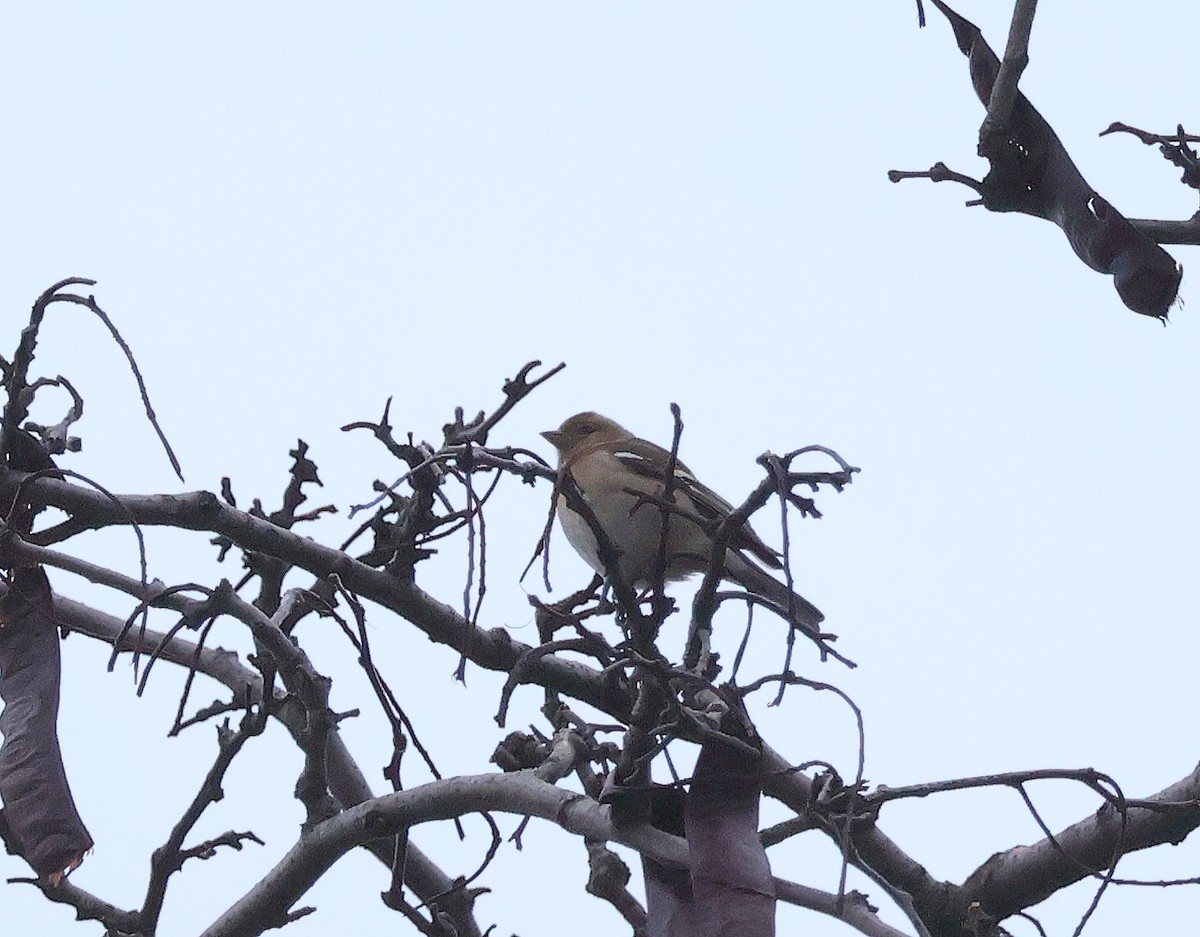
296,210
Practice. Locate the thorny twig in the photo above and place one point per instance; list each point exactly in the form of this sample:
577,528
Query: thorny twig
707,598
19,392
515,390
169,857
1174,148
55,438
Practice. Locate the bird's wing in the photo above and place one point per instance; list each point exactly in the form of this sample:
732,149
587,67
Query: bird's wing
650,461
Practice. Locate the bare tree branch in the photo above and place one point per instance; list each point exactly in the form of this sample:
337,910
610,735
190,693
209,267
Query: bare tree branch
346,780
1016,57
520,793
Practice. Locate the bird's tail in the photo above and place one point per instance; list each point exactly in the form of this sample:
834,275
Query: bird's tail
793,606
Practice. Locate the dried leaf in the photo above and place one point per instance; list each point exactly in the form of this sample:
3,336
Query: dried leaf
728,891
669,905
731,878
42,823
1032,173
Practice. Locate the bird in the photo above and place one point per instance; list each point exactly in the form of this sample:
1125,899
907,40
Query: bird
616,472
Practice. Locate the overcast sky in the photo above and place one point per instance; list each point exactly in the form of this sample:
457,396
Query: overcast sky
295,211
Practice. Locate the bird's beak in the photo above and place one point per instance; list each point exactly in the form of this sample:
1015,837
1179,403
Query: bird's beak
552,436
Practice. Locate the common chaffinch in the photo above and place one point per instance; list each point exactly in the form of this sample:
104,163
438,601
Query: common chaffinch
612,467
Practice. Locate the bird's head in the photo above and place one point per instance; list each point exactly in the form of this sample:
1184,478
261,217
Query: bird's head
583,428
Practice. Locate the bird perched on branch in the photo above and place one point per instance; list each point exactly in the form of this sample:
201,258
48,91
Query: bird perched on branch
620,476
